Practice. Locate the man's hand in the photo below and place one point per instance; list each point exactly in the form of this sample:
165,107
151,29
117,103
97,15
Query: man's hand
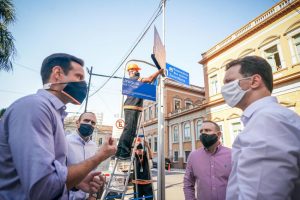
92,183
108,148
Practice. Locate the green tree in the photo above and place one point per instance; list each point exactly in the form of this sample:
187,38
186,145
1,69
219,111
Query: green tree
7,47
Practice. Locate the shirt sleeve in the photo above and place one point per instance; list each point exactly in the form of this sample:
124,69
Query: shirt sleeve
31,138
268,165
189,181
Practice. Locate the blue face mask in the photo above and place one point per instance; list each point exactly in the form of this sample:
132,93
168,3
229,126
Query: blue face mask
76,91
86,130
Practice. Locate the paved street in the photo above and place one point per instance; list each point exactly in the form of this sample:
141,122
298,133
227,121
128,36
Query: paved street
174,184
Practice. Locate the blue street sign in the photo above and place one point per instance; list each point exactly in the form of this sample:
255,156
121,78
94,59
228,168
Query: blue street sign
138,89
177,74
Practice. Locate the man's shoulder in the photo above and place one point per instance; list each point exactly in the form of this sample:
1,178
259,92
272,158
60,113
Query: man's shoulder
197,151
30,100
277,112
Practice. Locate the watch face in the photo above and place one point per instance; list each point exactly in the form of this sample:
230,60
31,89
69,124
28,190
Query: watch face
94,195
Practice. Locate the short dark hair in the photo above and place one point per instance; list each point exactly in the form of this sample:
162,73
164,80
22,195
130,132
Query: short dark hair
85,113
251,65
217,127
58,59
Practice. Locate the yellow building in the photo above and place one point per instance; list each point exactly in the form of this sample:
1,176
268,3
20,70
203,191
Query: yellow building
274,35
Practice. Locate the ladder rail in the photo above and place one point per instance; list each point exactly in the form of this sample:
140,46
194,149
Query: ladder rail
108,186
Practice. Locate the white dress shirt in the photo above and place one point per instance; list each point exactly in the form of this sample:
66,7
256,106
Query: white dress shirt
78,151
266,154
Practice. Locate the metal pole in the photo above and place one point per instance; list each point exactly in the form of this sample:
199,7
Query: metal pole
161,132
89,85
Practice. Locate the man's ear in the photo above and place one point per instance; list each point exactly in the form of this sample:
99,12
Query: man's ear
256,81
219,134
57,73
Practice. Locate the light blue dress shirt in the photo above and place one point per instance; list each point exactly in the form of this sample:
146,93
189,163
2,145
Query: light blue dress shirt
33,149
266,154
78,151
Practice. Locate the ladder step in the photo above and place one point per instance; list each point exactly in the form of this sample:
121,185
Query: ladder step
122,175
115,190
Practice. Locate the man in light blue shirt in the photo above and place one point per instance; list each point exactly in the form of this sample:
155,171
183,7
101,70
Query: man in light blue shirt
266,154
32,140
80,146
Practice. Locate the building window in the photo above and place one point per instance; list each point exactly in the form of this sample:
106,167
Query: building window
175,158
198,134
273,58
176,104
186,155
296,40
150,143
145,115
155,144
100,141
156,110
150,112
236,129
175,134
221,130
187,132
213,85
188,104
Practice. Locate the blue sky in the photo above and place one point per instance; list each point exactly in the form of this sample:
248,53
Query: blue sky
102,31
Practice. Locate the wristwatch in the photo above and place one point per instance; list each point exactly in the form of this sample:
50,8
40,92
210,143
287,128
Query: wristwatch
74,189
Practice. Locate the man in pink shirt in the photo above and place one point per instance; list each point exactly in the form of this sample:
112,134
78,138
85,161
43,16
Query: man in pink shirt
208,167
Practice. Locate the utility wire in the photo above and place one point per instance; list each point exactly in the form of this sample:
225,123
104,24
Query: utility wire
150,22
23,66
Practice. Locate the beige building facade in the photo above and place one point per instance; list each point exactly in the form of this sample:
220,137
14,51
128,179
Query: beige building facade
275,36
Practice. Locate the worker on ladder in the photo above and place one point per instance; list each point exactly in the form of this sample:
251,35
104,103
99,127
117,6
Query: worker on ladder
142,175
132,108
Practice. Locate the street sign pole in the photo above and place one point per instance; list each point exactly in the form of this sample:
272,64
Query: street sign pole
88,90
161,124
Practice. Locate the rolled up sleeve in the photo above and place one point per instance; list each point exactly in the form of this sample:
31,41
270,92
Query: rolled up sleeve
32,146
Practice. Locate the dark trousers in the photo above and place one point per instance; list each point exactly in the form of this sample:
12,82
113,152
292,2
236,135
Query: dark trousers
129,132
144,190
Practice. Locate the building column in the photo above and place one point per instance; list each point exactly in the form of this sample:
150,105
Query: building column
180,140
193,135
170,142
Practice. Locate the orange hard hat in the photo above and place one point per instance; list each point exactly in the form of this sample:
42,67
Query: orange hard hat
133,66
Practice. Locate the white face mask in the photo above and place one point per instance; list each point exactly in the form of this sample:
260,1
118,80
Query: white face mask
233,93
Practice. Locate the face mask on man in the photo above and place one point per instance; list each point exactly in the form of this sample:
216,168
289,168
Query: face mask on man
208,139
86,130
76,91
233,93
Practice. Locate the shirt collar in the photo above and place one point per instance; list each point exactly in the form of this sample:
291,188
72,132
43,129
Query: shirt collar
56,102
256,105
79,138
217,149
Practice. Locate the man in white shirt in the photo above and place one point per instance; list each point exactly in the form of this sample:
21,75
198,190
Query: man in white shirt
266,154
81,147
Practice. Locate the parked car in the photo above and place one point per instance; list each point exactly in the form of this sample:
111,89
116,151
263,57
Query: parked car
167,162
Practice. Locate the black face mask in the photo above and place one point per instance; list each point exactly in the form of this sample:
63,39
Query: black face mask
76,91
86,130
208,140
